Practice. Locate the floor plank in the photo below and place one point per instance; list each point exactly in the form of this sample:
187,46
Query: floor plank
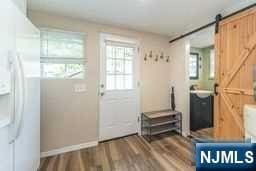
206,133
167,152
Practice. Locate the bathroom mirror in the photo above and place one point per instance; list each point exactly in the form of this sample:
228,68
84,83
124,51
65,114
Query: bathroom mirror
254,81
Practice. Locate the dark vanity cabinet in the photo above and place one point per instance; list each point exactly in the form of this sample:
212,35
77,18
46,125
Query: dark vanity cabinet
201,112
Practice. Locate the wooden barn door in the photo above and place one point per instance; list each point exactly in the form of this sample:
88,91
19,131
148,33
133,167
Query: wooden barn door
235,45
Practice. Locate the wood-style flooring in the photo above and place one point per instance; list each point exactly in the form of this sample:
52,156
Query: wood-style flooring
206,133
169,153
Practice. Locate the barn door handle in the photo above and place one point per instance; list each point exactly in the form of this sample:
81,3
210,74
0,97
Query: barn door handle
216,85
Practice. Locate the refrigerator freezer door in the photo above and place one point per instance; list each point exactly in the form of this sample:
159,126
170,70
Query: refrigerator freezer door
27,142
7,43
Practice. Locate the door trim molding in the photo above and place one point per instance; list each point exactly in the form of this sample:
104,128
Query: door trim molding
69,149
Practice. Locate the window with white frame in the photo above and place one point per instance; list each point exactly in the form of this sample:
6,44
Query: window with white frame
119,66
62,55
212,63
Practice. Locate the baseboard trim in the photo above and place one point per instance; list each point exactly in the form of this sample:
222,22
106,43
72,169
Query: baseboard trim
185,134
68,149
118,138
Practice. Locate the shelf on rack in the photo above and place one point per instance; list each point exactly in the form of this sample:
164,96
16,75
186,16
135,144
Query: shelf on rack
165,130
162,123
161,113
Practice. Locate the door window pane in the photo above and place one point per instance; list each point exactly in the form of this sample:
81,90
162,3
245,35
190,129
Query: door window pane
119,67
119,52
110,66
119,82
128,82
128,67
110,82
129,53
109,51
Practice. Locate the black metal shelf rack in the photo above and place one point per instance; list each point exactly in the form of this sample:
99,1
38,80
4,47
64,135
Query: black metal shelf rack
158,122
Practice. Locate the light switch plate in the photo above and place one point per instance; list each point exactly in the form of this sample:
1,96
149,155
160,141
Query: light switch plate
80,88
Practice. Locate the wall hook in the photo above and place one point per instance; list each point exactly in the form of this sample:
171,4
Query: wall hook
151,54
167,58
145,58
156,58
162,55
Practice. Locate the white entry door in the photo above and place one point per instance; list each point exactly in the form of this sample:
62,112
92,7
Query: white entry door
119,93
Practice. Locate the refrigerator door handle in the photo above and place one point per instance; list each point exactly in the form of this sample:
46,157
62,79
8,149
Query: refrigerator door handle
12,83
21,97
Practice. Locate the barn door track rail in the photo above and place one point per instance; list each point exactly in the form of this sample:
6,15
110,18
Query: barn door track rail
218,18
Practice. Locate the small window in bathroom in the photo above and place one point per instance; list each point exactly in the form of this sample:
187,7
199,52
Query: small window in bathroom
194,66
212,64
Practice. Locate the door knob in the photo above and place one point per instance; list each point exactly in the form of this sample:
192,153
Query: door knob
102,88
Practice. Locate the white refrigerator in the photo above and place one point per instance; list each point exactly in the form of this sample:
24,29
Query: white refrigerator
19,91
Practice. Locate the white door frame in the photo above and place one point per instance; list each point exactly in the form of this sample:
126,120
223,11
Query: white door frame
114,37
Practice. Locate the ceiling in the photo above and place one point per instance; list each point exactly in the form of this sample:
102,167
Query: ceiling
167,17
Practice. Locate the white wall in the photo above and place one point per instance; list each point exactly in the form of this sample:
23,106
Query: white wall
22,5
179,78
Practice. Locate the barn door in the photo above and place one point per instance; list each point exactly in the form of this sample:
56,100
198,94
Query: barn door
235,45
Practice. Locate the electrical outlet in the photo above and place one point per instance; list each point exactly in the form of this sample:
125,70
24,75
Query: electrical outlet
80,88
